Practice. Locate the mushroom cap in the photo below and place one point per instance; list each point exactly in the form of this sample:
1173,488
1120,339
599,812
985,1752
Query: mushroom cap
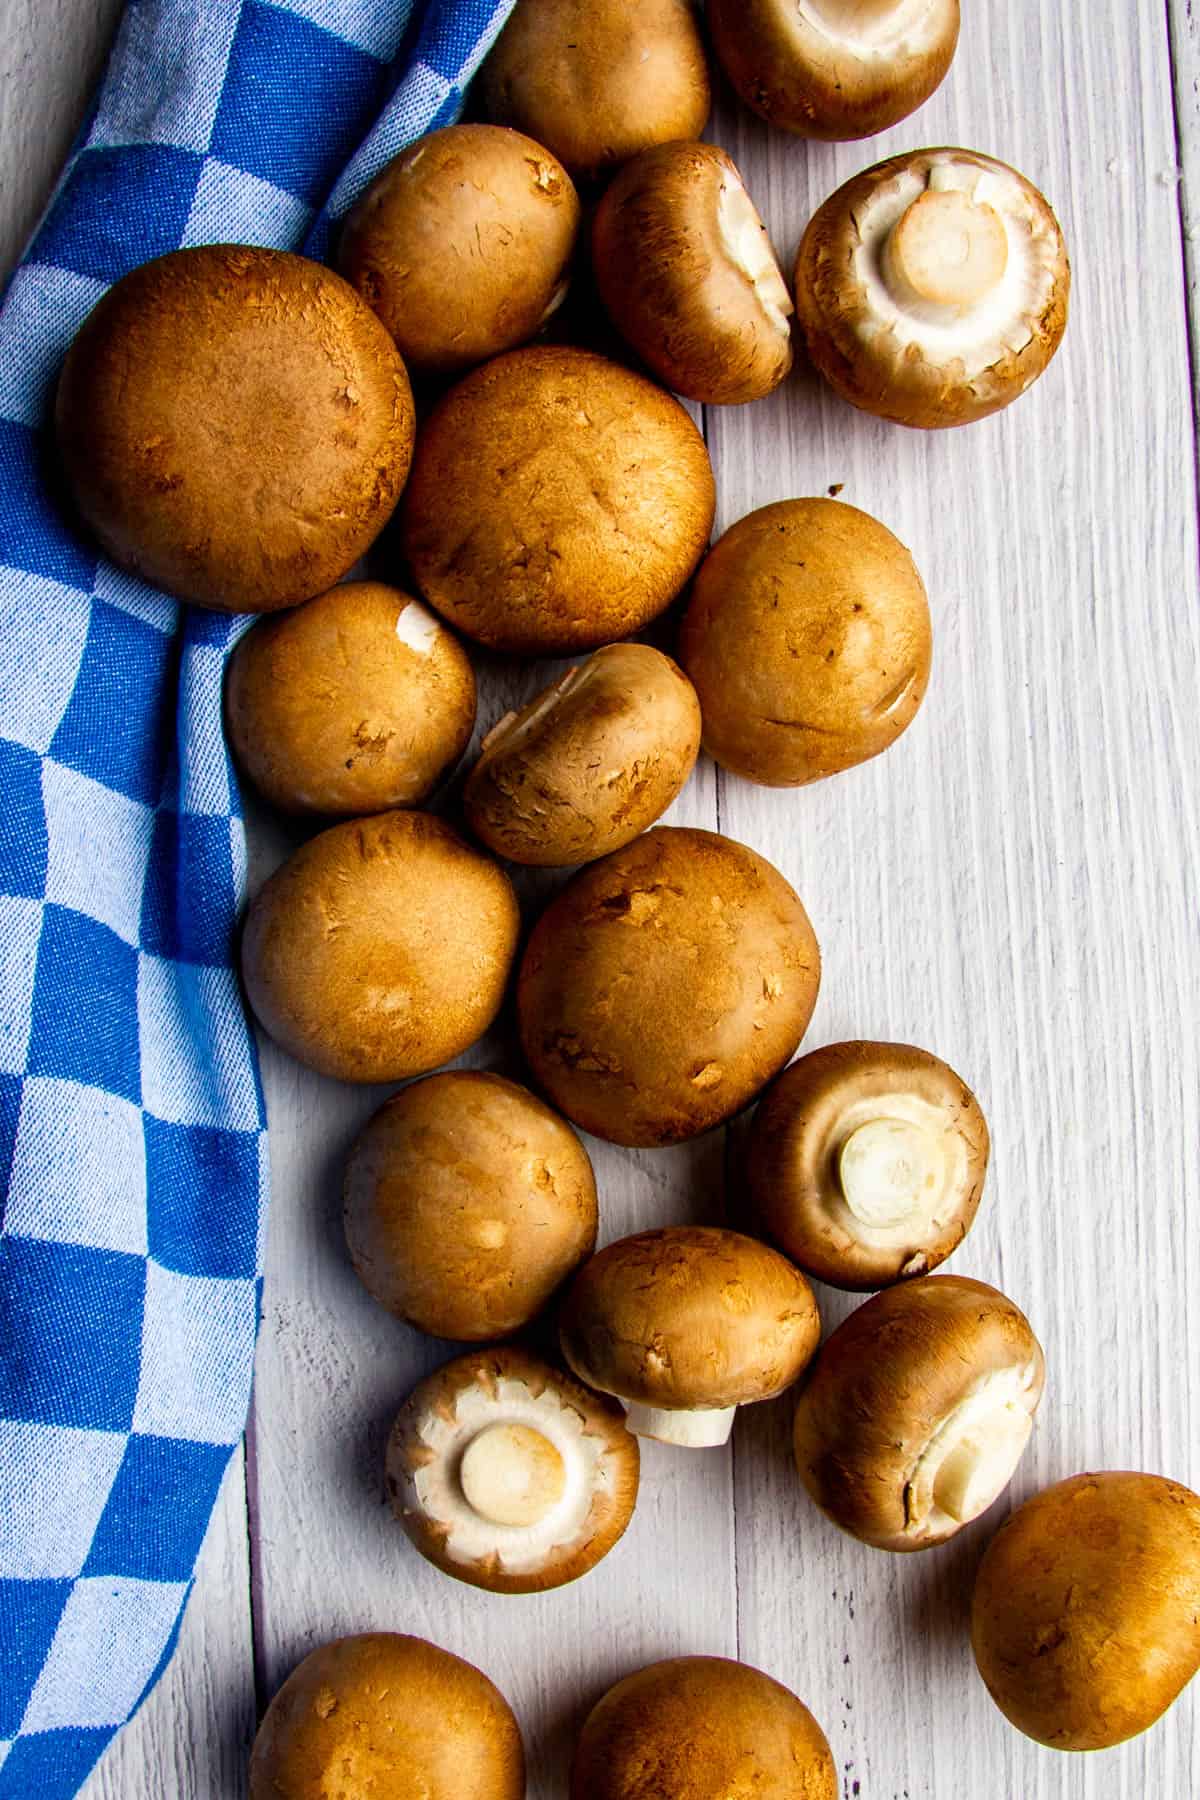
808,640
357,702
834,69
590,763
381,948
467,1203
596,83
892,1391
689,1317
463,243
686,270
235,426
1086,1616
582,1438
943,359
557,501
665,985
805,1121
701,1728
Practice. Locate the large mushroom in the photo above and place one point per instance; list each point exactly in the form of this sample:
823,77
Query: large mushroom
508,1474
686,1324
866,1163
917,1410
933,288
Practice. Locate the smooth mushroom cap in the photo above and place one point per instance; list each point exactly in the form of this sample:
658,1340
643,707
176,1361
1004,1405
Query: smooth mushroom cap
686,270
701,1728
665,985
917,1409
557,501
809,641
509,1475
834,69
357,702
933,288
594,82
463,243
467,1203
1086,1616
866,1163
235,426
591,761
385,1714
381,948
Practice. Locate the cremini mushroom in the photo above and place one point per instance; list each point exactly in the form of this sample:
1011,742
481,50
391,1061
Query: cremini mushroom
510,1475
685,1324
384,1714
866,1163
702,1728
917,1410
933,288
686,270
467,1203
834,69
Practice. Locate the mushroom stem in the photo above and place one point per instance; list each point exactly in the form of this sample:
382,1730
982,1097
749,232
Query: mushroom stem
944,254
512,1475
704,1428
851,16
979,1465
890,1170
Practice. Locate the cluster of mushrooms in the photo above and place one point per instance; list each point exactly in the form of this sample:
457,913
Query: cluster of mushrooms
237,426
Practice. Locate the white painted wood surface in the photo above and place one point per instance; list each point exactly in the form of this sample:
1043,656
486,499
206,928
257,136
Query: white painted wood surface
1014,885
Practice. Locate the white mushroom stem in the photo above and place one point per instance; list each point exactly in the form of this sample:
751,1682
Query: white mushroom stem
892,1172
512,1475
874,28
945,253
703,1428
969,1460
745,242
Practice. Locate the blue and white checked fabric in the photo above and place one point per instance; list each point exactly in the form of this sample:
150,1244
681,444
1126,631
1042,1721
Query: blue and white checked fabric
133,1154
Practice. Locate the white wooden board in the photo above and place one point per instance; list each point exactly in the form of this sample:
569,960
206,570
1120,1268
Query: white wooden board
1014,885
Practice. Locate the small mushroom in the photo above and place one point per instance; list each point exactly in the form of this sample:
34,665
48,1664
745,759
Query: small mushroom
834,69
867,1162
509,1475
686,1324
686,269
917,1411
933,288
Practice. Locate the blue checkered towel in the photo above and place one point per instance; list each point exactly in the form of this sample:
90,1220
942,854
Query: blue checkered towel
133,1167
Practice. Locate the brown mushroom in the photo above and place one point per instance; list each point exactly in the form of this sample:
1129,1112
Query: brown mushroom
866,1163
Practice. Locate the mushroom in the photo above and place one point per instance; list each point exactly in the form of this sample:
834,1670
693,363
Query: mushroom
834,69
933,288
357,702
686,1324
590,763
686,269
702,1728
557,501
467,1203
463,243
809,642
866,1163
665,986
917,1410
1086,1617
384,1714
509,1475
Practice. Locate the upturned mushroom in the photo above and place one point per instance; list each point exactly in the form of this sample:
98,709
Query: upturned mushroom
834,69
933,288
684,1325
866,1163
686,270
917,1411
702,1728
509,1475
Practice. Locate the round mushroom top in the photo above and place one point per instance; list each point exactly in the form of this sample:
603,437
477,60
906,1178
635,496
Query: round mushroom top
702,1728
917,1410
385,1714
867,1162
510,1475
689,1317
933,288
